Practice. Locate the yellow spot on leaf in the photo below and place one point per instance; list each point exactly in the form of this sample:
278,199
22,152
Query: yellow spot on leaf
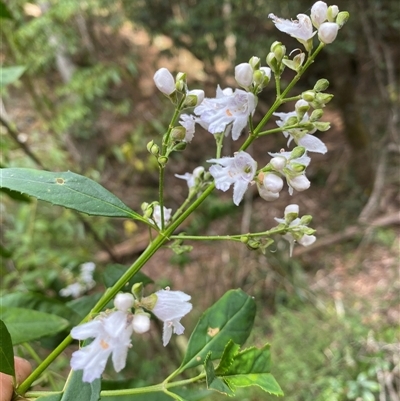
60,181
212,332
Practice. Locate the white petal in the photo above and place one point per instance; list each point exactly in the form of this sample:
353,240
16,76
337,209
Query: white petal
87,330
178,328
312,144
167,333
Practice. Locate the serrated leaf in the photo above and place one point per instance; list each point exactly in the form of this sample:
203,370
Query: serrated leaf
250,367
230,352
230,318
114,271
6,351
66,189
27,325
77,390
17,196
214,382
9,75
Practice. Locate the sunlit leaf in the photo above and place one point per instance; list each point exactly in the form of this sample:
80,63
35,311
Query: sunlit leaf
66,189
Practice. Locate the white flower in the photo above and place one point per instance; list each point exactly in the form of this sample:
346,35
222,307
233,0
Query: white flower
74,290
84,282
157,215
244,74
112,336
273,183
194,97
300,135
124,301
319,13
164,81
227,108
296,233
188,122
266,71
327,32
141,323
191,178
238,170
300,29
299,182
170,307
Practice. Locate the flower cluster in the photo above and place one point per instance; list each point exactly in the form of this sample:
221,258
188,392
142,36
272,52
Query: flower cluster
112,330
83,284
297,228
327,21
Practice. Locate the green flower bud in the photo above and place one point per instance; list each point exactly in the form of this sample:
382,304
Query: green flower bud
149,302
153,148
180,146
291,121
279,50
253,244
306,220
255,62
308,96
180,83
332,13
323,98
297,152
162,161
297,167
342,18
147,209
273,63
178,133
321,85
137,290
244,239
308,126
316,115
322,126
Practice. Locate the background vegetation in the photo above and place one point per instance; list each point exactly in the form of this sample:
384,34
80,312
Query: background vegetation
86,102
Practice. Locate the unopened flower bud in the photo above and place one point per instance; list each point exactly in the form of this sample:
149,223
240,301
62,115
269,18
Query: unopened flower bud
321,85
180,81
194,98
253,244
308,96
297,167
342,18
137,290
319,13
141,323
297,152
162,160
316,115
273,183
323,98
244,239
332,13
267,195
180,146
299,183
301,108
322,126
123,301
266,74
291,213
244,74
258,77
309,126
305,220
153,148
279,50
164,81
291,121
255,62
147,209
327,32
273,63
178,133
278,163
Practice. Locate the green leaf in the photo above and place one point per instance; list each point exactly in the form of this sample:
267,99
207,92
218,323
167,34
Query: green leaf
230,318
27,325
39,302
9,75
4,11
16,195
214,382
77,390
83,305
66,189
114,271
50,397
250,367
4,252
6,351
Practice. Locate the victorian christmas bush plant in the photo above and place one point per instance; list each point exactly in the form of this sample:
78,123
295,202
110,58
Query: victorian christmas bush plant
108,332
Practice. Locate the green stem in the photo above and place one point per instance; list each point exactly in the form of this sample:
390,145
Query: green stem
119,285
